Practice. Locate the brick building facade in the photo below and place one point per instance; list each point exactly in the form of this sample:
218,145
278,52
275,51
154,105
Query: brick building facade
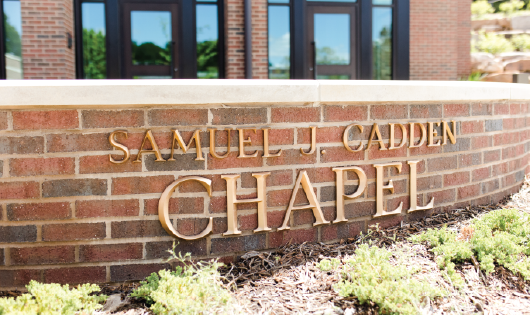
438,44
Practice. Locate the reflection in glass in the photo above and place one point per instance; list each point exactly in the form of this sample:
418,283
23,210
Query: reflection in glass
332,37
279,1
382,2
382,43
207,42
333,0
151,37
333,77
13,36
94,40
279,42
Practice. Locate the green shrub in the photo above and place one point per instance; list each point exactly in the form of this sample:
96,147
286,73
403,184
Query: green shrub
521,42
53,299
480,8
501,236
510,7
328,264
195,288
370,276
492,43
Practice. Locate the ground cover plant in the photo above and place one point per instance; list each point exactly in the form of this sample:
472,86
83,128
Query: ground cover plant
53,299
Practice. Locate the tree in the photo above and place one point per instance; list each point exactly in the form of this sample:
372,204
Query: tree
13,41
94,54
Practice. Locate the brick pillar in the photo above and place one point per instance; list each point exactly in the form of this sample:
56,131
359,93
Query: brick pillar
464,38
235,39
434,39
45,24
260,59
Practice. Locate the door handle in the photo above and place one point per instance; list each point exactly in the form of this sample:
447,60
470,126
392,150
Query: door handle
314,69
171,61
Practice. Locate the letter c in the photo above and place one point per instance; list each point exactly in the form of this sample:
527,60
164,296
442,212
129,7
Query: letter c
163,207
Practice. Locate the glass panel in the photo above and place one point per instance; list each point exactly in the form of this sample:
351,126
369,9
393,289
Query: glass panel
94,40
206,0
152,77
382,2
207,42
333,77
279,42
332,37
382,43
278,1
332,0
151,37
13,34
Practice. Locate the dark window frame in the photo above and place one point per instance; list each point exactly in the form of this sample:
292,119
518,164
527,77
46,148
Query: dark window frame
2,44
187,67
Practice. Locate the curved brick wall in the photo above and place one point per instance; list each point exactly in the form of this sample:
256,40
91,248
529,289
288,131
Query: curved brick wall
69,215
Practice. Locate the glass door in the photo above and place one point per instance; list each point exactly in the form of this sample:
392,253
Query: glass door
150,41
331,42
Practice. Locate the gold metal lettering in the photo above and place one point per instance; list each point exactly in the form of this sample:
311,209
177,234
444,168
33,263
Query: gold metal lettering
413,190
163,207
119,146
212,144
313,202
232,202
423,136
313,142
345,138
242,144
266,145
380,187
149,137
433,133
340,189
178,138
376,132
403,137
446,132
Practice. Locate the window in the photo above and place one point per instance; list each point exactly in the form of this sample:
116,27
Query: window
94,40
279,30
207,33
382,39
13,39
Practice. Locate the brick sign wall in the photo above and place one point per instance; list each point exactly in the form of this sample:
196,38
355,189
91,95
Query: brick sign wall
69,215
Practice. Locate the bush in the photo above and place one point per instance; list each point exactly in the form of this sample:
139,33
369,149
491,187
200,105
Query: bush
510,7
195,288
521,42
480,8
370,276
500,237
53,299
492,43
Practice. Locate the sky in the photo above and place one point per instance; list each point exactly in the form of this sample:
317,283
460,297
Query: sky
93,16
12,10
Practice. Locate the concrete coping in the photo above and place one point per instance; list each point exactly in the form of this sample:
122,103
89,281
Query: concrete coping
21,94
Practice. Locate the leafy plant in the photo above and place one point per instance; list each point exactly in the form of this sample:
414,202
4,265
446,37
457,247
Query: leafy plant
94,54
53,299
521,42
492,43
480,8
499,237
370,276
328,264
194,288
510,7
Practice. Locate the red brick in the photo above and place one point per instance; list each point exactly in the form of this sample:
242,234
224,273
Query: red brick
492,156
110,252
3,121
218,204
19,190
281,136
442,196
323,135
442,163
18,234
129,229
481,173
475,126
21,145
160,249
74,187
424,150
348,230
468,191
388,112
51,119
320,174
41,166
106,208
290,157
328,233
426,111
74,275
233,162
182,205
42,255
248,222
112,118
38,211
340,154
141,185
346,113
515,109
177,117
456,110
77,142
276,239
121,273
301,217
295,114
218,184
387,222
238,244
275,218
276,178
481,109
19,278
454,179
191,226
73,231
238,116
95,164
481,142
374,153
501,109
429,182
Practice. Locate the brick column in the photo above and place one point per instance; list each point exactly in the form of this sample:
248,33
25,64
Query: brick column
235,39
260,58
464,38
45,24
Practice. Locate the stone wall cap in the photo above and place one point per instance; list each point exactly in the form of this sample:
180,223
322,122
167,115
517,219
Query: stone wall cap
21,94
